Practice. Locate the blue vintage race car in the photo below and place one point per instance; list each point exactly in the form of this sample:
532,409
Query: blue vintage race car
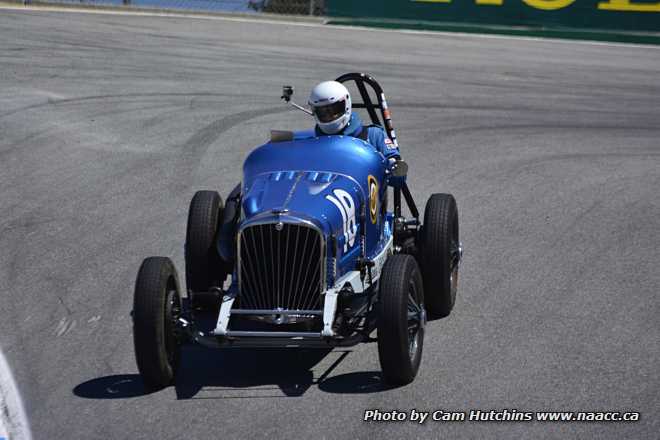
305,253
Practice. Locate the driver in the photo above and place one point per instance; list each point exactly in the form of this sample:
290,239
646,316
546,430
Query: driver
330,103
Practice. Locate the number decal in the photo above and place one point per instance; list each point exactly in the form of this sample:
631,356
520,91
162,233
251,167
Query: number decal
344,202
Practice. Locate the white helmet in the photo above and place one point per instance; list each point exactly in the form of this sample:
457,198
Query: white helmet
330,103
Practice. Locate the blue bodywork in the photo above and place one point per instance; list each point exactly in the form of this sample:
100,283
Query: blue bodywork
336,183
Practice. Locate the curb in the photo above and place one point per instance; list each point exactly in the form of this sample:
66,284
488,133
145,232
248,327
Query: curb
13,420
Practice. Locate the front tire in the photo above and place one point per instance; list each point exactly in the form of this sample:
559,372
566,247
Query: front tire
156,309
401,319
204,267
440,254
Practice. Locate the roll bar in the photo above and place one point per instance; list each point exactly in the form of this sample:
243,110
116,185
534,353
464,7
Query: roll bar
361,81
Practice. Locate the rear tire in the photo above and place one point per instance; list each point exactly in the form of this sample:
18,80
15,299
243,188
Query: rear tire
204,267
401,319
156,308
439,253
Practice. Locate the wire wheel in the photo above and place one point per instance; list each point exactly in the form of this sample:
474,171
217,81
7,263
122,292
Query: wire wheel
401,319
156,310
416,320
440,254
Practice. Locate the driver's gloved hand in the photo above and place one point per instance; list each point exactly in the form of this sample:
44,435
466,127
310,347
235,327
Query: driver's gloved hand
395,181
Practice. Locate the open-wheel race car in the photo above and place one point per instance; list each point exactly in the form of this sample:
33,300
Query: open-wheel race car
305,253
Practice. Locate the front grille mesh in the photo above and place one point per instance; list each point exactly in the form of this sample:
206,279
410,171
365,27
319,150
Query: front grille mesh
281,269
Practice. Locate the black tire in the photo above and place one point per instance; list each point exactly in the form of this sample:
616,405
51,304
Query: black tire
204,267
400,321
156,307
439,254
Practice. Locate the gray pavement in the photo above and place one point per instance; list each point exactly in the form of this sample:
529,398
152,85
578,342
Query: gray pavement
109,124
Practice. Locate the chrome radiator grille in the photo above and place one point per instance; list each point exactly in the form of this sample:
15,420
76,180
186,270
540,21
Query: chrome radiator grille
281,267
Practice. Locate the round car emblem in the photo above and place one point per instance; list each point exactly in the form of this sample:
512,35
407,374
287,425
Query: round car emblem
279,226
373,199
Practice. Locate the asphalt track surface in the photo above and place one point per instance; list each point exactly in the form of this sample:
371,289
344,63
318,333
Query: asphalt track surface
109,124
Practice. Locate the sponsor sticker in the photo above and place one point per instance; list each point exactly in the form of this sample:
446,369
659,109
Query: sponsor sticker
389,144
383,101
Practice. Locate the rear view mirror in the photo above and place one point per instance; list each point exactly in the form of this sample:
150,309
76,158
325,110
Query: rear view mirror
287,93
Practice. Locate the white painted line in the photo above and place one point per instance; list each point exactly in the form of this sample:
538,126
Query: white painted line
4,434
13,421
199,16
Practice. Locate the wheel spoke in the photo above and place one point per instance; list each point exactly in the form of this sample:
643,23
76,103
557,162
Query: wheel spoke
414,320
412,304
173,312
453,255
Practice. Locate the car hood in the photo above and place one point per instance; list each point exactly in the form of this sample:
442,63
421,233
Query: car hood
323,180
329,200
